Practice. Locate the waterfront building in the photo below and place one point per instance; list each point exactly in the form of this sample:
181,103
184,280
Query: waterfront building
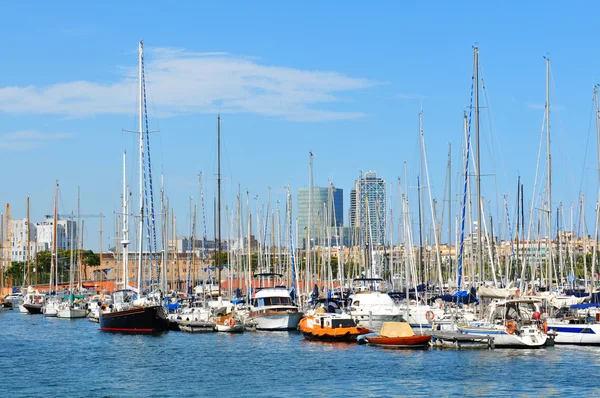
65,231
326,212
19,239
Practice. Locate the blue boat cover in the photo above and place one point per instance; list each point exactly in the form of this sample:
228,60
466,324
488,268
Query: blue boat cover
584,306
460,297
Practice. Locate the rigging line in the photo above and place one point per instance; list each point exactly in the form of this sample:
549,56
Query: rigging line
569,180
512,246
587,142
157,120
533,194
466,180
493,139
151,223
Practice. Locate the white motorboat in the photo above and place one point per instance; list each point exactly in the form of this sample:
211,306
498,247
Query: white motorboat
272,307
51,307
371,307
15,298
226,320
33,302
512,323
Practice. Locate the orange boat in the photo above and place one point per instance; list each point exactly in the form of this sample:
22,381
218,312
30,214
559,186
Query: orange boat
398,335
331,327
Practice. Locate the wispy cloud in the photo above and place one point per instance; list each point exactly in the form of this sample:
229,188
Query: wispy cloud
183,82
28,139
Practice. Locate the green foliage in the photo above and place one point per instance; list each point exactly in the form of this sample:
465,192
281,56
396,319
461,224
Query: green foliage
90,258
16,272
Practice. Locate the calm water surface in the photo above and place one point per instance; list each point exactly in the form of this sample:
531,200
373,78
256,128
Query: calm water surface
72,358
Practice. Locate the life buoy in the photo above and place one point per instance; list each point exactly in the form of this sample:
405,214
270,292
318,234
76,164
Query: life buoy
429,315
511,327
230,322
545,327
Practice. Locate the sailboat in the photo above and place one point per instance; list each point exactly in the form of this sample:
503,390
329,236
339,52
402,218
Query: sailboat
512,322
52,303
74,306
579,324
130,312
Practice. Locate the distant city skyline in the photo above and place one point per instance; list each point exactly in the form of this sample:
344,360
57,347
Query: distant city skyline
345,82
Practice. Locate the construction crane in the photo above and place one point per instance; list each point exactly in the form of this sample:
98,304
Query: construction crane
74,215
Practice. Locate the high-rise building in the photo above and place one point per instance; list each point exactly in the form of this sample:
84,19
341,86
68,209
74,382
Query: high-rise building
368,208
326,210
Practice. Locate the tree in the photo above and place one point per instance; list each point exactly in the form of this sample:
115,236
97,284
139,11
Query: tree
88,257
16,273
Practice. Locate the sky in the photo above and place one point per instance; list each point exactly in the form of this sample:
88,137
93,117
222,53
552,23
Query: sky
344,80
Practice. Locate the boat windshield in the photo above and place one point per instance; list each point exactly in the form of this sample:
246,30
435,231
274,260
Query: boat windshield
123,296
261,302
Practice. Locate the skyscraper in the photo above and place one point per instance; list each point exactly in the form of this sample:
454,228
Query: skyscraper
368,208
326,209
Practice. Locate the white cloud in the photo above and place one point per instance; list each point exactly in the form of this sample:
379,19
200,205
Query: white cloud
29,139
183,82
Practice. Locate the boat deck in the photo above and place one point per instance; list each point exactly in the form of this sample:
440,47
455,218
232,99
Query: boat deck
458,340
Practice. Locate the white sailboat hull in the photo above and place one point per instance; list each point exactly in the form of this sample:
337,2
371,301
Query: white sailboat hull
579,334
528,337
71,313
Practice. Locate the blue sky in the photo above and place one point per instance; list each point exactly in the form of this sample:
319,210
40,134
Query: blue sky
344,80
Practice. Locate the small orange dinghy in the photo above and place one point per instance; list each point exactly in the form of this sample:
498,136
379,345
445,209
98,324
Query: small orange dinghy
398,335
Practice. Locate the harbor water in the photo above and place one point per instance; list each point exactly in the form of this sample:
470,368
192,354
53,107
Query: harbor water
72,358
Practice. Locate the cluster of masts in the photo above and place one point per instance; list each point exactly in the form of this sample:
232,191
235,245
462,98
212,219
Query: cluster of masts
291,251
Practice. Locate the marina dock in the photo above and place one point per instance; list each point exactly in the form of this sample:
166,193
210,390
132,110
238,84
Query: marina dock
458,340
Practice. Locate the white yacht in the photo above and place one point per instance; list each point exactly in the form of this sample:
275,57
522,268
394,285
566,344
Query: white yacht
272,307
15,298
51,306
33,302
371,306
513,323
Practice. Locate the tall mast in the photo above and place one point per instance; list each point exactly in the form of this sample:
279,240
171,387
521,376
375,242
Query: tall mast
478,166
101,278
433,212
420,267
125,236
28,245
79,229
549,174
449,209
219,199
141,223
310,200
592,279
53,265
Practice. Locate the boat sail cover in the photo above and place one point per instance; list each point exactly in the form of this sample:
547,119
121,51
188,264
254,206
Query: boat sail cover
493,292
396,329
